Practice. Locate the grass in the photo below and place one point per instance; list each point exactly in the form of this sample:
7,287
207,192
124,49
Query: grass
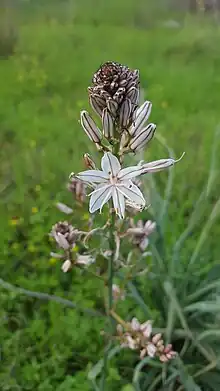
43,88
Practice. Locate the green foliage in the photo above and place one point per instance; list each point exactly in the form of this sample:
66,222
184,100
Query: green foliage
46,345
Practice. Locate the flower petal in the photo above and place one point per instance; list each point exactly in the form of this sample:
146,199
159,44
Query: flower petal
119,202
99,197
93,176
130,172
132,192
110,164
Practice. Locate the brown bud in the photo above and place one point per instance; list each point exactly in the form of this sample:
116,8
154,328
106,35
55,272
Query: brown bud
89,163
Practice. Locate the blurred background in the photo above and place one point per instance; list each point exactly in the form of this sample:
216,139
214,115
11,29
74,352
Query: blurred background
49,50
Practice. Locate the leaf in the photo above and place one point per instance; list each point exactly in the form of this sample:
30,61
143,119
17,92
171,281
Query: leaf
203,306
128,387
139,300
210,334
213,216
186,379
96,370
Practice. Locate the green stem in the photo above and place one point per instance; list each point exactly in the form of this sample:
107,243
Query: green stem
112,246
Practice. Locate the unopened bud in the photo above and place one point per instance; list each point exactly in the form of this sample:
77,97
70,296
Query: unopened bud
141,116
92,131
108,124
133,95
168,348
89,163
64,208
163,358
95,105
66,266
159,165
142,138
125,113
112,107
61,241
151,350
156,338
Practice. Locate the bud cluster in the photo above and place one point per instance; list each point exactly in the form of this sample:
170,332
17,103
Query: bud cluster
114,96
137,336
66,237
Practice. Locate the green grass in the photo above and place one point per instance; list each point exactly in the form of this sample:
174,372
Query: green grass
43,88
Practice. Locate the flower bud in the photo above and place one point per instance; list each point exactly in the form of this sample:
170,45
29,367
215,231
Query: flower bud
107,124
156,338
112,106
151,350
159,165
64,208
125,113
95,104
66,266
61,241
133,95
92,131
89,163
142,138
141,116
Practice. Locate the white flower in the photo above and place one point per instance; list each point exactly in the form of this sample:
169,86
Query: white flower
113,182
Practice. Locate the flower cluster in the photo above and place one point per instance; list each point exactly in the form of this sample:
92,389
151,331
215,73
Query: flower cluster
121,127
66,237
137,336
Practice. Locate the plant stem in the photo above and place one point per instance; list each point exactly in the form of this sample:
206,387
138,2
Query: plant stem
112,247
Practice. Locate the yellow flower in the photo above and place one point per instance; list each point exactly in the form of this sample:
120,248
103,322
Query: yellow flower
14,221
34,209
52,260
86,216
75,249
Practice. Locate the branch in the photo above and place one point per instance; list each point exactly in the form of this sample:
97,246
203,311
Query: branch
48,297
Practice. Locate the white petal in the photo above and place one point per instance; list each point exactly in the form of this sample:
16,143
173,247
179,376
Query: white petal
135,324
93,176
119,202
99,197
143,244
110,164
130,172
64,208
85,260
146,328
132,192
